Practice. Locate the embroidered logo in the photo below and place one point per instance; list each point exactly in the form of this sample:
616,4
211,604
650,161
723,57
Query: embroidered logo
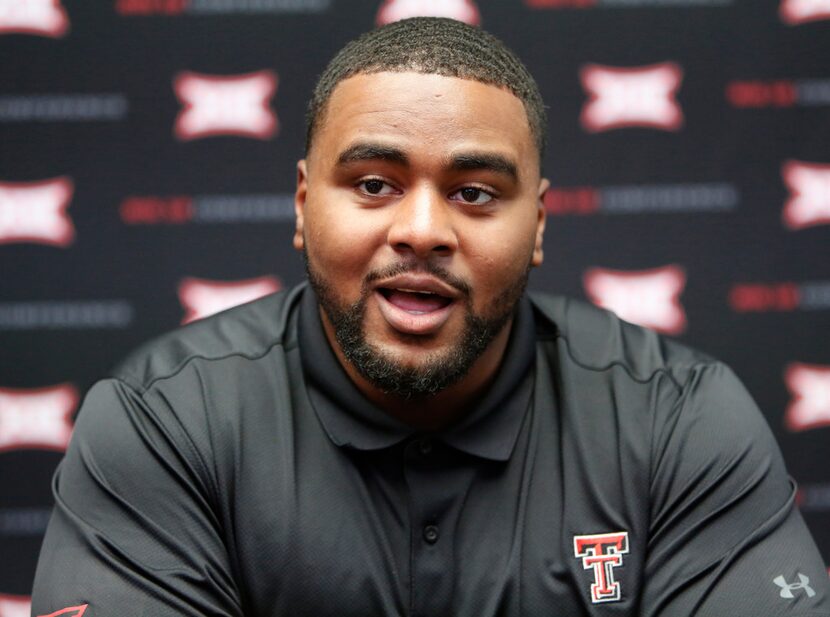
461,10
795,12
39,17
229,105
638,96
649,298
601,553
36,212
201,297
810,389
787,589
809,202
69,611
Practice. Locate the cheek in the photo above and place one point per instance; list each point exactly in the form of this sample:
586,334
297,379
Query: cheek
502,254
498,264
339,241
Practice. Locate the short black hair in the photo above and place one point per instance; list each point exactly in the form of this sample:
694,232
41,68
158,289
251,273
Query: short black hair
431,45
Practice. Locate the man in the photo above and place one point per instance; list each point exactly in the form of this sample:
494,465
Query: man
411,434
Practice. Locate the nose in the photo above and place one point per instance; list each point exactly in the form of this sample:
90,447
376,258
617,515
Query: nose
422,224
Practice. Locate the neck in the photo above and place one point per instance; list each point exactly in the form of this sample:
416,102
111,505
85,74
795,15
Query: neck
440,410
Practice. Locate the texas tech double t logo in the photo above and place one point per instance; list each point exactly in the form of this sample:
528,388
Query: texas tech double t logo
602,553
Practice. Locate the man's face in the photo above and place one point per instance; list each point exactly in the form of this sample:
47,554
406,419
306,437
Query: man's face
419,211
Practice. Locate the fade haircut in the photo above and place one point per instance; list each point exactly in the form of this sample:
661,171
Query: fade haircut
431,45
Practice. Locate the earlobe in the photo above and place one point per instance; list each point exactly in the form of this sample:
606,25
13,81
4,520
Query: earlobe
538,249
299,203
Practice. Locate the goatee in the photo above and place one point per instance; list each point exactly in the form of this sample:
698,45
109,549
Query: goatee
439,370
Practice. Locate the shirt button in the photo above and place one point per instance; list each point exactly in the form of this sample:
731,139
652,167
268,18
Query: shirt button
431,534
425,447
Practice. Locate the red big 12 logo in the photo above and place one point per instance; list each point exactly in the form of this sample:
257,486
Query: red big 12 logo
601,553
201,297
36,212
635,96
650,298
461,10
39,17
795,12
39,418
226,105
809,385
809,201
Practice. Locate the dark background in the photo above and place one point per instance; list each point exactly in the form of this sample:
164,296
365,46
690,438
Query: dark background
132,50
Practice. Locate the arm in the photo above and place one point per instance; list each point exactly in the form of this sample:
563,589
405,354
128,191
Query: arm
726,537
134,530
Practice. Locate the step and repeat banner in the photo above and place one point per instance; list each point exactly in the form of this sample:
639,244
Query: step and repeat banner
147,163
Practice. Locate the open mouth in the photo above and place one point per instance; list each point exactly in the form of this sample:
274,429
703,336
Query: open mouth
415,302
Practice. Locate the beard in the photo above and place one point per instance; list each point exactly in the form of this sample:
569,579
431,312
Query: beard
438,370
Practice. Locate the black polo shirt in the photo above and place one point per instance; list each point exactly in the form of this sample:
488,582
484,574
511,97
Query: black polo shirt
232,468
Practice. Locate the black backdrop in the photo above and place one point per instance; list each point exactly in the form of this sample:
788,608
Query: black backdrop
147,152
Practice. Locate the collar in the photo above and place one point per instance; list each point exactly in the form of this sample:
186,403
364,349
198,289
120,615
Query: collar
489,431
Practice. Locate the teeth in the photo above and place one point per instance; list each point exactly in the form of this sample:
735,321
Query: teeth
416,291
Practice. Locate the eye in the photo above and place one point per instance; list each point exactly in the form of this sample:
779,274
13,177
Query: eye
375,186
473,195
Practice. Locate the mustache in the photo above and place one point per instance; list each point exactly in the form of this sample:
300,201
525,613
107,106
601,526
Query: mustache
407,267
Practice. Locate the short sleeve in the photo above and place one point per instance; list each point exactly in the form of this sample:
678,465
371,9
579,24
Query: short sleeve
133,531
725,535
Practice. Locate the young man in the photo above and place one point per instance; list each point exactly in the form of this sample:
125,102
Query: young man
410,434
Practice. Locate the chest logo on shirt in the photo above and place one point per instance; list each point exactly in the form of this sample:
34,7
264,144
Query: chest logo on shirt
601,553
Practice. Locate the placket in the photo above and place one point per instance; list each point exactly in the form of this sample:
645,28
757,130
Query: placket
438,479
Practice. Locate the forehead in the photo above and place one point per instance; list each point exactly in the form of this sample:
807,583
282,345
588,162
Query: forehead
425,112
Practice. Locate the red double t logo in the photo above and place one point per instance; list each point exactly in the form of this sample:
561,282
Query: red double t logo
602,553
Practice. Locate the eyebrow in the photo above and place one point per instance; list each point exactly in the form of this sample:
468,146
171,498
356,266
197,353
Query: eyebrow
485,161
372,152
467,161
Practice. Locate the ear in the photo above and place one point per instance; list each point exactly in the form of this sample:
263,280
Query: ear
538,253
299,203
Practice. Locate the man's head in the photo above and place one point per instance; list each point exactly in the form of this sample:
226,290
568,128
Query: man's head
419,205
431,45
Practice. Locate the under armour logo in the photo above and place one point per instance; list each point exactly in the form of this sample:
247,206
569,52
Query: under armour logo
788,588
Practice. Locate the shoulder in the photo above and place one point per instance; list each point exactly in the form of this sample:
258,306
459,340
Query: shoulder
691,409
597,340
248,331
